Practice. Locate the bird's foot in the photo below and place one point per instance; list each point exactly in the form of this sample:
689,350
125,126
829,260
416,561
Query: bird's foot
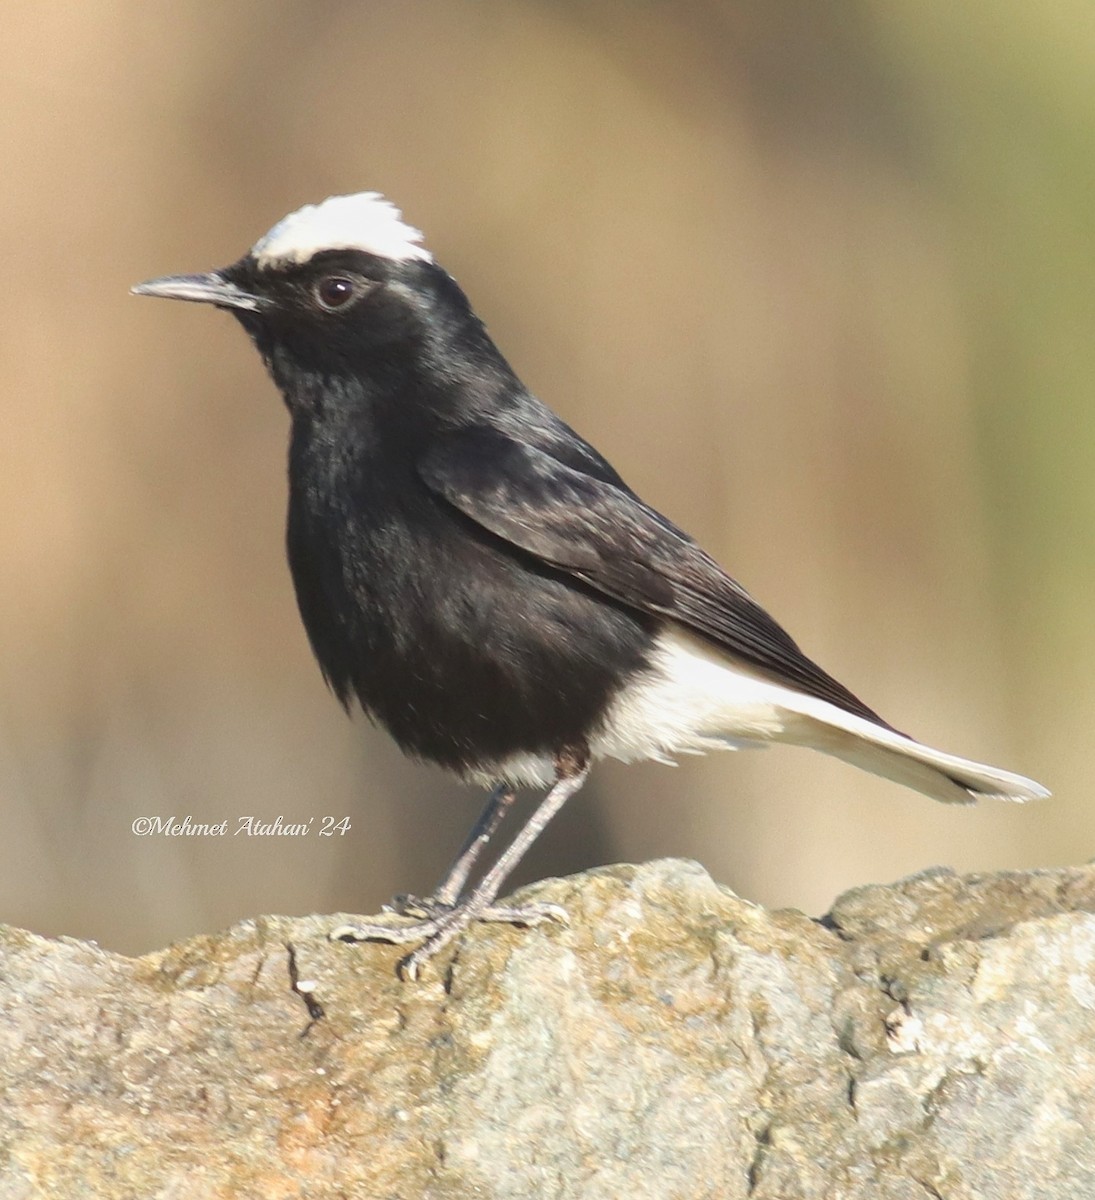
433,908
436,923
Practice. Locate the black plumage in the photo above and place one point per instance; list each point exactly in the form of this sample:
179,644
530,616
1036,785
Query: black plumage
480,578
427,484
422,614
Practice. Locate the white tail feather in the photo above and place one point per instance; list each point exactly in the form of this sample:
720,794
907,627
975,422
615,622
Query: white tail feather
883,752
695,699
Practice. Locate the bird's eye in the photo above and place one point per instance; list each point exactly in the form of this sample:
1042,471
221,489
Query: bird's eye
335,291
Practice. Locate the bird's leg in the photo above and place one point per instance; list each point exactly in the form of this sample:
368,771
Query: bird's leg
437,928
570,773
498,804
446,896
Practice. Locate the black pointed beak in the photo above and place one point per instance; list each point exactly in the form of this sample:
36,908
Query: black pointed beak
210,288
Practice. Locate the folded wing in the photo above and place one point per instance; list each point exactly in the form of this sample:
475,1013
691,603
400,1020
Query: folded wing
601,533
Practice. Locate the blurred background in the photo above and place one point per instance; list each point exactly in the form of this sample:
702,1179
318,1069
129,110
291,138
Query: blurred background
819,279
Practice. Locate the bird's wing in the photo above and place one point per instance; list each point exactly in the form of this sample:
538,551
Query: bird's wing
605,536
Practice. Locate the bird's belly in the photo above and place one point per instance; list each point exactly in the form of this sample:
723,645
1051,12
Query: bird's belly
688,699
475,660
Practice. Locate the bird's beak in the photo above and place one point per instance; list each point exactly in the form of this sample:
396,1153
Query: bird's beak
211,288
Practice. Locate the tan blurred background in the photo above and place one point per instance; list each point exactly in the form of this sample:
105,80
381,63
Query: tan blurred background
820,279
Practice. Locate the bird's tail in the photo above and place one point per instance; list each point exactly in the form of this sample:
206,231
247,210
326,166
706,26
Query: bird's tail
883,751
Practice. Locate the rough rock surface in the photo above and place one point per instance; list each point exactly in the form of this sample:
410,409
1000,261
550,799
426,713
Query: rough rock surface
933,1038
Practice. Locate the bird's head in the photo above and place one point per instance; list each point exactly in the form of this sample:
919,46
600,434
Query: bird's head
345,290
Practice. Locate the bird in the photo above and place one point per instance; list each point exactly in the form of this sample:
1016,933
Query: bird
483,583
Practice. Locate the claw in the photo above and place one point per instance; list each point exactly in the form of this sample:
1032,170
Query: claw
409,968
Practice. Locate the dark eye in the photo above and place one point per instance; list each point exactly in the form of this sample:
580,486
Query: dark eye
334,291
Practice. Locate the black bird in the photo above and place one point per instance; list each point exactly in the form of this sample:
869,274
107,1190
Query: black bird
482,581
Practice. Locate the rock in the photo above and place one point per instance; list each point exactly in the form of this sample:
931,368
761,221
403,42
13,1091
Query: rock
932,1038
